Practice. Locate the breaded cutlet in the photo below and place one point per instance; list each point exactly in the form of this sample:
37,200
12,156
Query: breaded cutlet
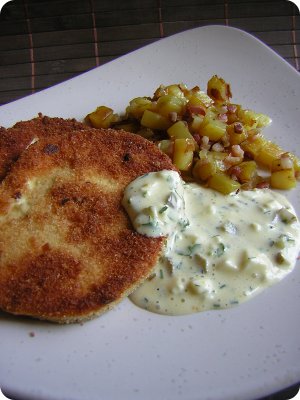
68,251
15,139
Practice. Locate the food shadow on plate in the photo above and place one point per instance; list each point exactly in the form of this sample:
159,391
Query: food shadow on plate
29,321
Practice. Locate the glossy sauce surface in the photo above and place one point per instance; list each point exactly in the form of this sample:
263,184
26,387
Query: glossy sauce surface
220,250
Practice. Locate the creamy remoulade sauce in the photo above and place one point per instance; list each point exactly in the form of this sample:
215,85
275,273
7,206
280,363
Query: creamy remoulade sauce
219,251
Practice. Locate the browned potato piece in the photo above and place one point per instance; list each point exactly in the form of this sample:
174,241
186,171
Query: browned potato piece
167,147
213,129
251,118
253,145
284,179
218,89
223,183
180,130
248,171
204,169
168,104
236,133
102,117
137,107
183,153
283,162
268,153
154,120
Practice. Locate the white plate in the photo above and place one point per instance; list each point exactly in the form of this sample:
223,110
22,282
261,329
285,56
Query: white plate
241,353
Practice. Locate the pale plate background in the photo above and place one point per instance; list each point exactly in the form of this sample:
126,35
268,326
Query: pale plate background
241,353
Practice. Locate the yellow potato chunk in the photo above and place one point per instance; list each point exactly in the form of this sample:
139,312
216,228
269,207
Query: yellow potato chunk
194,100
204,169
252,146
284,179
283,162
170,104
180,130
268,153
223,183
154,120
137,106
195,123
254,119
166,146
217,155
236,133
248,171
218,89
183,153
102,117
197,97
212,128
174,90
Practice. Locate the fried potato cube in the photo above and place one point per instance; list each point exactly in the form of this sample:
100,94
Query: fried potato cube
283,162
195,123
247,171
166,146
236,133
263,120
102,117
218,89
204,169
218,155
197,97
183,153
214,129
137,106
180,130
284,179
197,105
170,104
223,183
268,153
253,119
174,90
253,145
154,120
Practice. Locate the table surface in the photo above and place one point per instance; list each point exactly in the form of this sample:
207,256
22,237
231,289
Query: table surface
43,43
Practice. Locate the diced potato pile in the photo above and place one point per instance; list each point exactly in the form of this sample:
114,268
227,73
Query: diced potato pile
209,139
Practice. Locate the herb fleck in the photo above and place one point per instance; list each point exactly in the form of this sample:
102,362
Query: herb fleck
220,250
163,209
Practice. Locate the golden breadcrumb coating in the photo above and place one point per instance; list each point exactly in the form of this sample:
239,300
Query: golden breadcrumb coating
68,251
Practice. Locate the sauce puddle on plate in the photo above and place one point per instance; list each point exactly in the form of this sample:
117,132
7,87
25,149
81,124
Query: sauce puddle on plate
220,250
